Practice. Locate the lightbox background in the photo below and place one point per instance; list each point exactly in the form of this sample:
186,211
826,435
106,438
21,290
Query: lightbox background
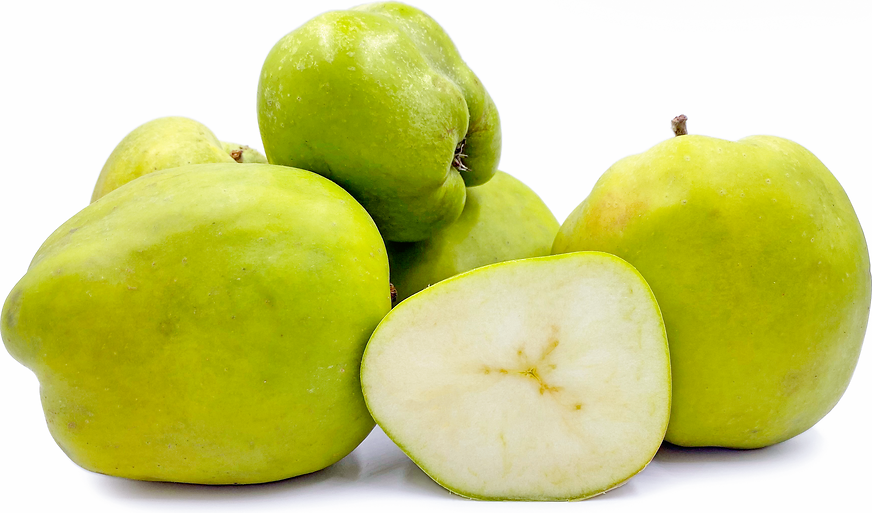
578,85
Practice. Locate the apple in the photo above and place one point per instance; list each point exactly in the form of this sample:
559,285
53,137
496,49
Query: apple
761,269
377,99
502,220
538,379
166,143
179,332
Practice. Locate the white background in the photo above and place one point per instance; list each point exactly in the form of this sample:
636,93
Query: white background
578,86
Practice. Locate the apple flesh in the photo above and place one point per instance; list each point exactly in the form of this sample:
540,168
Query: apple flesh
539,379
502,220
761,269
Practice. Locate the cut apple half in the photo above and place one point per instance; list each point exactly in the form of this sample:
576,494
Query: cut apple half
539,379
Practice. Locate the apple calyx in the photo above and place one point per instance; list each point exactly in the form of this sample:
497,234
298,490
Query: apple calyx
679,125
236,155
459,156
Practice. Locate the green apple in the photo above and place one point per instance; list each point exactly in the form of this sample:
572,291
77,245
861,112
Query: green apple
166,143
378,100
539,379
502,220
761,269
201,325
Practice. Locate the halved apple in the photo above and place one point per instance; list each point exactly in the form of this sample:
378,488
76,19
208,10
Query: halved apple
538,379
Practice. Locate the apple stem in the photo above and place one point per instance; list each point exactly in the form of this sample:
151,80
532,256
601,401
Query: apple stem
393,295
679,125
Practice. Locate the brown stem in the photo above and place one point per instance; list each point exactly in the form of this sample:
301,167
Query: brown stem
679,125
393,295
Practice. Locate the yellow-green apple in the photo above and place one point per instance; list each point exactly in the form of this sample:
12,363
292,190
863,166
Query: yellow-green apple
502,220
166,143
761,269
201,325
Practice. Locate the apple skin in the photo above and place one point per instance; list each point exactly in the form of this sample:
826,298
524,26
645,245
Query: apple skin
377,99
161,143
179,333
502,220
761,269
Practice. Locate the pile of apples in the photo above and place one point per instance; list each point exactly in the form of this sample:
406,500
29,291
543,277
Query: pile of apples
220,316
